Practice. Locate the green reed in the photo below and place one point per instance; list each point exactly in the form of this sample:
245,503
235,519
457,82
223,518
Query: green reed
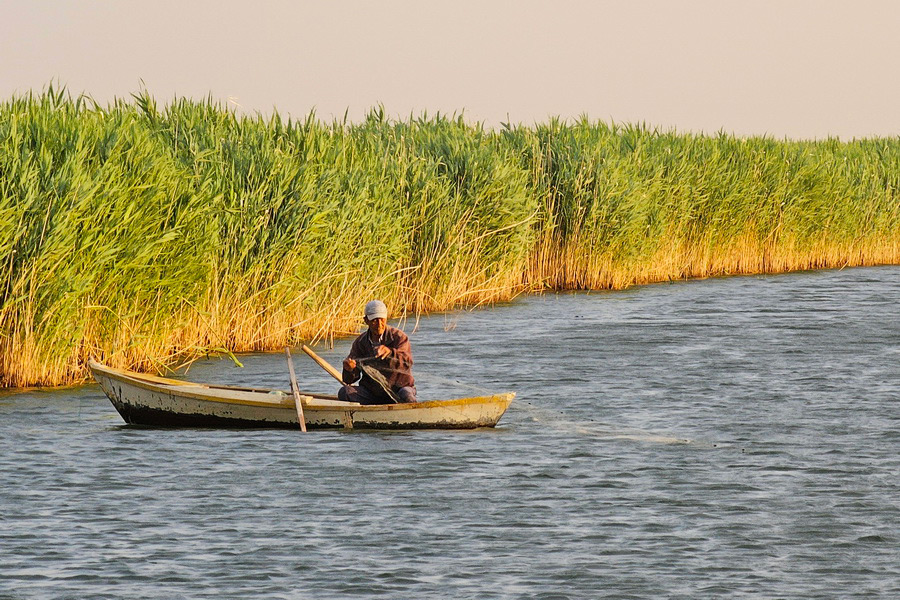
145,234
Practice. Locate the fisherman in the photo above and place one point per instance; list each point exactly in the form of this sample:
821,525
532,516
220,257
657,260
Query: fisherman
381,359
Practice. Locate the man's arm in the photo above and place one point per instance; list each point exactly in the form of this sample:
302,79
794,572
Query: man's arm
351,370
400,357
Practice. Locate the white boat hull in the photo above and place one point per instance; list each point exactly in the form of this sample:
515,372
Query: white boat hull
149,400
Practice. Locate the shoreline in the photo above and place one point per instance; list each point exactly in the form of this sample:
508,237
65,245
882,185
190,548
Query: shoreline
347,334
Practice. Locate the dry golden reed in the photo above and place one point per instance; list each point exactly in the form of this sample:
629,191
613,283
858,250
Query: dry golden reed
148,236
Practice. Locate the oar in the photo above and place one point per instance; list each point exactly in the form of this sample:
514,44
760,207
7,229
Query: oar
322,363
296,390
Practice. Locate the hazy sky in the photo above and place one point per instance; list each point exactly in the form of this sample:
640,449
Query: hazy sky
797,68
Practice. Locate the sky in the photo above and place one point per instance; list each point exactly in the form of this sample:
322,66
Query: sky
787,68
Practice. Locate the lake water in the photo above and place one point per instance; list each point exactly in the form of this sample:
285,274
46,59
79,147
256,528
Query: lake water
726,438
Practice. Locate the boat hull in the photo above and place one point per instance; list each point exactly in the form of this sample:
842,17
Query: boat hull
157,401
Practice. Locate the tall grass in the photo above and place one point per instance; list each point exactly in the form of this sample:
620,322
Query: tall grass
146,234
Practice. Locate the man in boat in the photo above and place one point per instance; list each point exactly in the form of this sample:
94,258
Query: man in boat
381,359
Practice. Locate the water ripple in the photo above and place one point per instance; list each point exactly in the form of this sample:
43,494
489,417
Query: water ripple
723,438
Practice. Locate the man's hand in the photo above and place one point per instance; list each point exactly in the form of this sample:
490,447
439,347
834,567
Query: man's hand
349,364
382,351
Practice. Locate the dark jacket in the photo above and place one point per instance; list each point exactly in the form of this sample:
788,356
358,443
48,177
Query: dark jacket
396,368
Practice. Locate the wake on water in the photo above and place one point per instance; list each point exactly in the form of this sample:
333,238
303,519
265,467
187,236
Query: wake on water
556,419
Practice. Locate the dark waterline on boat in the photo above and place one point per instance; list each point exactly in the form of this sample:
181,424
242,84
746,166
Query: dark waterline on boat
722,438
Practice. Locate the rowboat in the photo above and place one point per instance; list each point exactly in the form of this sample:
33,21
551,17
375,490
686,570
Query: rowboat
150,400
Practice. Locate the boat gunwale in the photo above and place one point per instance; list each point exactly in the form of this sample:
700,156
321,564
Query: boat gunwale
155,383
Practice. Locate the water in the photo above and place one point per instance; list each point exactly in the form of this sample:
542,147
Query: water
723,438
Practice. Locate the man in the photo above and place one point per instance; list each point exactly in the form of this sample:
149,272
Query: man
384,350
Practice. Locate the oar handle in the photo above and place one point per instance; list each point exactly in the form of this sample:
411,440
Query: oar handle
331,370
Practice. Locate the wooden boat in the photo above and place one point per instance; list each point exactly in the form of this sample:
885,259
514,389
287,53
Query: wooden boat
151,400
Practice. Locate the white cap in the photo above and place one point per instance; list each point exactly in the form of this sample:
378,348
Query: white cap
376,310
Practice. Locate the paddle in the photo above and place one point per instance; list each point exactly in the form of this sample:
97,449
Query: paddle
331,370
373,373
295,390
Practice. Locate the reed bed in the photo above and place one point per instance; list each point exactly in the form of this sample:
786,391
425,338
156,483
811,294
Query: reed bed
147,235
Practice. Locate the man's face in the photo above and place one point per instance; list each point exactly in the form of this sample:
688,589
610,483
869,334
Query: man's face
376,326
